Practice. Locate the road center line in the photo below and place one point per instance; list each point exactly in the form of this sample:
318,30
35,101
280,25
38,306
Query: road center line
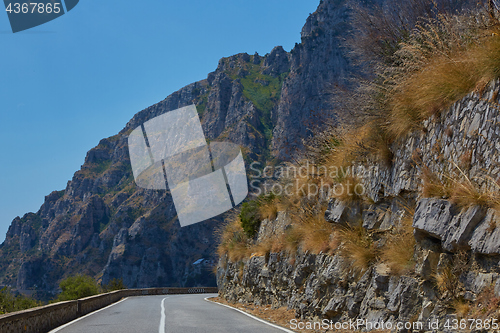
161,329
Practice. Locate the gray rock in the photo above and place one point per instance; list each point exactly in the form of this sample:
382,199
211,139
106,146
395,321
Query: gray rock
477,281
460,229
433,217
344,214
371,219
486,237
474,126
335,306
428,264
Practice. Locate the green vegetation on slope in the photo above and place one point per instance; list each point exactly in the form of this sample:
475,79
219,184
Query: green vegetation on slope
11,303
432,67
75,287
262,90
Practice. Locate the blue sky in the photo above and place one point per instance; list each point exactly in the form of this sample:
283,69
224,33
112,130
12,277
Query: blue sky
75,80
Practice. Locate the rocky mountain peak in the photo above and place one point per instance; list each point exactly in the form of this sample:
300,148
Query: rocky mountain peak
103,225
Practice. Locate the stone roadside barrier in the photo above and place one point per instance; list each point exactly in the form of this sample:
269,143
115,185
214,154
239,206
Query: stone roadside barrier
45,318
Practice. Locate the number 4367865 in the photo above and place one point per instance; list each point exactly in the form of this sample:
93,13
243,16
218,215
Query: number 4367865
34,7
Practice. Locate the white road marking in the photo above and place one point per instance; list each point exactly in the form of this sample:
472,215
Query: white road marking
87,315
162,320
253,317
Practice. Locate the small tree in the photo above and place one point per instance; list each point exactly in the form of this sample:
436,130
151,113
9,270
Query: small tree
75,287
250,218
251,215
11,303
115,284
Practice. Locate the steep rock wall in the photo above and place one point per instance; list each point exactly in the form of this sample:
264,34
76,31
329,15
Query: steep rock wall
464,140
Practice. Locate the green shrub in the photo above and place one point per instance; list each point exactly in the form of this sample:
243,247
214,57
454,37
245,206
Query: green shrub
252,213
11,303
115,284
250,217
75,287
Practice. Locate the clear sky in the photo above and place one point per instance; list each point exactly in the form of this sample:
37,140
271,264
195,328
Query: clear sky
81,77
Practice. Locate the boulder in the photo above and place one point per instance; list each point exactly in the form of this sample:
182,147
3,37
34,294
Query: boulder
433,217
486,237
461,228
343,213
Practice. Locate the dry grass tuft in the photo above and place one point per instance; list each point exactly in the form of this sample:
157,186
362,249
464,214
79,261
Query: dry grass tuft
461,307
466,193
233,240
487,305
310,231
443,60
447,280
316,234
461,190
357,144
273,244
433,186
268,209
350,189
358,247
398,251
422,66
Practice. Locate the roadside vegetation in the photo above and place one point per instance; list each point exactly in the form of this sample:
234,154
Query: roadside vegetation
81,286
78,286
10,302
72,288
418,67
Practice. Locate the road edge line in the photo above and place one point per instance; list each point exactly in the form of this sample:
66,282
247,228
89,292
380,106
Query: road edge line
251,316
57,329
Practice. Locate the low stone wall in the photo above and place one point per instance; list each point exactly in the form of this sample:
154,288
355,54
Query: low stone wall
92,303
45,318
39,320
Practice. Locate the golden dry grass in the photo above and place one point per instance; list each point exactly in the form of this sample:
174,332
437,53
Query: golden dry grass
350,189
316,233
358,247
341,156
233,240
268,209
486,306
461,190
398,251
269,245
309,231
443,60
466,194
447,279
435,187
461,307
357,143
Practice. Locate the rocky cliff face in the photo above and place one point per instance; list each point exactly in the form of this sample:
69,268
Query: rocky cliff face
306,94
460,244
104,226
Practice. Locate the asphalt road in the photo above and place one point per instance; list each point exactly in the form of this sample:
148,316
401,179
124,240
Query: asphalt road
166,314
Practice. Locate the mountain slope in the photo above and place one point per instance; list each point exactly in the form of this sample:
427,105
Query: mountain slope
104,226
